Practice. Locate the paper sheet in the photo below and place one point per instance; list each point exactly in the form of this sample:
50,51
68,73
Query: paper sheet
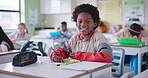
83,66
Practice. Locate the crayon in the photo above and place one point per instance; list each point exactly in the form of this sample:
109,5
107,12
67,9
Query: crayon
63,64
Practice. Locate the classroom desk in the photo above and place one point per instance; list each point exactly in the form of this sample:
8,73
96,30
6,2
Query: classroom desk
9,52
48,40
143,74
44,68
133,50
6,57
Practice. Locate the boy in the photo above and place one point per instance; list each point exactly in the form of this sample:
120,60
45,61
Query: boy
88,44
64,30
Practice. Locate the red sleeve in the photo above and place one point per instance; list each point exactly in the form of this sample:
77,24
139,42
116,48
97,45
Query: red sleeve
61,52
98,57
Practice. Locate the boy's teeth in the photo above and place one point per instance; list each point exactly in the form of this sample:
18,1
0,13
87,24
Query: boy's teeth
83,28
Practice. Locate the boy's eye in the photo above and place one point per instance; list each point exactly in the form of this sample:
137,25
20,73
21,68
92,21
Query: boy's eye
87,21
79,21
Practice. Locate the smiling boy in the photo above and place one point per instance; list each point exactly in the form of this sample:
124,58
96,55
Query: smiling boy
88,44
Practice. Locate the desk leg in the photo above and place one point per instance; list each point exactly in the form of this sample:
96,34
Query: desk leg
139,62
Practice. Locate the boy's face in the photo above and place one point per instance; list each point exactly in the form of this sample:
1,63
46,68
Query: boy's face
85,23
63,26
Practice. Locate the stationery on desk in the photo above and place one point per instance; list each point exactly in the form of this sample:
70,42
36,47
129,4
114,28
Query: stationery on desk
83,66
55,52
69,61
132,41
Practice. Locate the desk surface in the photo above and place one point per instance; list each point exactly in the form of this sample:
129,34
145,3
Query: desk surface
143,74
9,52
46,69
133,50
116,44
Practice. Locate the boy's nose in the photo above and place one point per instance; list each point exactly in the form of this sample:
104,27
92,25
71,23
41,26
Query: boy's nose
83,24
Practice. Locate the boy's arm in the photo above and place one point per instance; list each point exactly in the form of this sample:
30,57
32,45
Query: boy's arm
144,37
4,46
103,54
61,52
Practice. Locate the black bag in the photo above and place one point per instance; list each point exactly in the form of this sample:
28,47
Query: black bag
24,58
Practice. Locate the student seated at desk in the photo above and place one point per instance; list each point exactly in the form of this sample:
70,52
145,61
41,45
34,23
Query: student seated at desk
5,43
65,35
88,44
20,36
64,31
21,33
133,30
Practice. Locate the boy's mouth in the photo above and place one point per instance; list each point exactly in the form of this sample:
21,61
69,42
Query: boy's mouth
83,29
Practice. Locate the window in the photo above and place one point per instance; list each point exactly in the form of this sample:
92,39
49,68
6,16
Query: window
9,13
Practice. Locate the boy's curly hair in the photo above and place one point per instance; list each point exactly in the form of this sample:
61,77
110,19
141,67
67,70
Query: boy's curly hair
92,10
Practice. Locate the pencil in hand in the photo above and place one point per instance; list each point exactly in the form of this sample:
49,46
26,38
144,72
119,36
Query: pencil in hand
57,54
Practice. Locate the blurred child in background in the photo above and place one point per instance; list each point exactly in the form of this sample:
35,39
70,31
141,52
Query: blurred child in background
64,31
134,30
21,33
20,37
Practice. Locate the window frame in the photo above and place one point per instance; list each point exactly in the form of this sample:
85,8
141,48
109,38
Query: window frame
17,11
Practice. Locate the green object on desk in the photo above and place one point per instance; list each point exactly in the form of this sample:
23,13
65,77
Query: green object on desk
131,41
63,64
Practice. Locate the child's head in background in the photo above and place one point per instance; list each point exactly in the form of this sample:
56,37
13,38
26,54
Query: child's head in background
135,29
86,17
22,28
63,26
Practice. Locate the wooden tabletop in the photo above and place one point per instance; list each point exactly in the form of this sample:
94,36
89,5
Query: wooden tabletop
9,52
95,70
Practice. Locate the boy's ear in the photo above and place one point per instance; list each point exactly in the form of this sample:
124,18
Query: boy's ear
25,30
99,23
95,24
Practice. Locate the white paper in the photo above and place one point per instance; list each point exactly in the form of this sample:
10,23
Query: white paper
83,66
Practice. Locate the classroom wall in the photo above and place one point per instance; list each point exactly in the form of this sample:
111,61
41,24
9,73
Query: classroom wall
26,4
146,14
54,20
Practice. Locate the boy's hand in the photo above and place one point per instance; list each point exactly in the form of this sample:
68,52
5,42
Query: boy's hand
71,55
56,58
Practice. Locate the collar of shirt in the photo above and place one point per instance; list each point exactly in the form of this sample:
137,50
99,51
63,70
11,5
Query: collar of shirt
87,37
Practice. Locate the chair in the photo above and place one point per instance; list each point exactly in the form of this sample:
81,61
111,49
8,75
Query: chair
118,55
128,75
37,47
145,61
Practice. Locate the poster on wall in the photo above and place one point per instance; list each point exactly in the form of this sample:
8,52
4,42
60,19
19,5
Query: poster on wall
133,12
33,16
110,11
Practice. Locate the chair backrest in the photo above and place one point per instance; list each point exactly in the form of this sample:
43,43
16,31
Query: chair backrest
118,55
37,47
128,75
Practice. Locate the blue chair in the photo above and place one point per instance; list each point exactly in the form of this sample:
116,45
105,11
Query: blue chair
118,55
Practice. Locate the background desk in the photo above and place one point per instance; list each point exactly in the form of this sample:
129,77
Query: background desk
144,74
133,50
48,40
44,68
6,57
